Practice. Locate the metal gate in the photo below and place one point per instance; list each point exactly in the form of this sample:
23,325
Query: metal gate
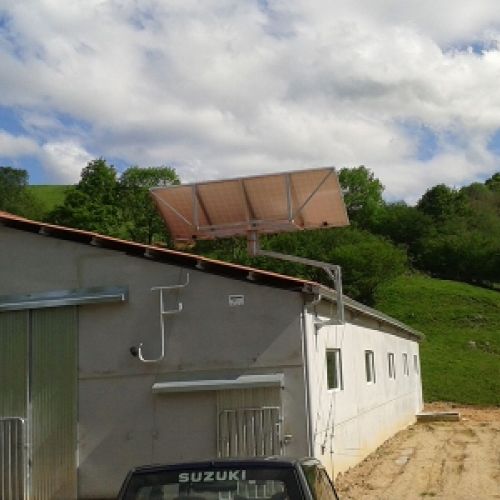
249,432
12,459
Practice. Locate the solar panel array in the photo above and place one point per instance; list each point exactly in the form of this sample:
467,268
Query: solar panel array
290,201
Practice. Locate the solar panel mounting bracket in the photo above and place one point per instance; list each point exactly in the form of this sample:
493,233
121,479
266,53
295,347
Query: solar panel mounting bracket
250,206
333,271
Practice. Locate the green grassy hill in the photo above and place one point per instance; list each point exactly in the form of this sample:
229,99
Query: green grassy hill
49,196
460,356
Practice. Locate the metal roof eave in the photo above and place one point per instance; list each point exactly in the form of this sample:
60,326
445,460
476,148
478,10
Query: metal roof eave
61,298
358,307
241,382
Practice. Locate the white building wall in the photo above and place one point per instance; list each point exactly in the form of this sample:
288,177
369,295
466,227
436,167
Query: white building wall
349,423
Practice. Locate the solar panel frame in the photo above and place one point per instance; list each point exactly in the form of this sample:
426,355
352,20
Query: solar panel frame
272,203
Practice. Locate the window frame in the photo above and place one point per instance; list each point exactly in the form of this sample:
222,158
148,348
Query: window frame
391,365
335,354
406,366
371,377
416,364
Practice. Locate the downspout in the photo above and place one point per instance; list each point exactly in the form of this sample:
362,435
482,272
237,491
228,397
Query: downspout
307,382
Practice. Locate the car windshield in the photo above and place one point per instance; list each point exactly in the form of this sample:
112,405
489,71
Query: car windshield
215,484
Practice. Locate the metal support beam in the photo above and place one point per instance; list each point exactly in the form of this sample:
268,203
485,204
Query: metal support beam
333,271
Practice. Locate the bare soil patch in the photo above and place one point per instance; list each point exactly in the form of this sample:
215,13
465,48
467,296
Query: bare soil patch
440,460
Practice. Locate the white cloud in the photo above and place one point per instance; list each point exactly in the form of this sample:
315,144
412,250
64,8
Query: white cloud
15,146
64,160
223,88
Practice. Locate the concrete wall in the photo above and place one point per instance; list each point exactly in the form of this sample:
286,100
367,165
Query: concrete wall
348,424
121,423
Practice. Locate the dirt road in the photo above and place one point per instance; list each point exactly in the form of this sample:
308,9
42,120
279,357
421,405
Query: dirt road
440,460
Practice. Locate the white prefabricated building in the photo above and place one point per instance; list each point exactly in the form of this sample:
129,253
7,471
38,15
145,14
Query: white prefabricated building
249,366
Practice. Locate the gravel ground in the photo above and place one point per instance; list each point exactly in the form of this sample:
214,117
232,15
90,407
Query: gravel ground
440,460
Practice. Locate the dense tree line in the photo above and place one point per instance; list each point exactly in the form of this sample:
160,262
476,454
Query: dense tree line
450,233
115,205
102,201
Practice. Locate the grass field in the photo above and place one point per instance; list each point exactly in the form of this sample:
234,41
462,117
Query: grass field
460,356
49,196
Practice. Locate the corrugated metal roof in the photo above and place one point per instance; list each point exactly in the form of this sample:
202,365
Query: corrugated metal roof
214,266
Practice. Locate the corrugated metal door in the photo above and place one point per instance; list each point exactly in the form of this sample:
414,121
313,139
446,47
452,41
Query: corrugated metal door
53,405
249,422
13,363
38,383
12,459
13,403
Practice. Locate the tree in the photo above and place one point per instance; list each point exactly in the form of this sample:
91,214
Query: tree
119,207
472,257
93,203
14,195
362,195
493,182
366,259
403,224
442,202
463,243
143,222
367,263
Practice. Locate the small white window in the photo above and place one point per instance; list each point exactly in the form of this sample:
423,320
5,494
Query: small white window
415,364
390,363
370,367
406,369
334,369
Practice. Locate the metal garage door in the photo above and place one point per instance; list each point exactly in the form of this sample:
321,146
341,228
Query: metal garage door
13,404
38,377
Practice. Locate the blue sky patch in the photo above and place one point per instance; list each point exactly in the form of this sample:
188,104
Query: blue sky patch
4,20
477,47
494,143
10,121
426,139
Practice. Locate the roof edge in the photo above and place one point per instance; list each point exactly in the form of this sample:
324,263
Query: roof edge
202,263
356,306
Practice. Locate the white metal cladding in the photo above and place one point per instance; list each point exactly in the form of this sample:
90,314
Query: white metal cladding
53,403
249,432
12,459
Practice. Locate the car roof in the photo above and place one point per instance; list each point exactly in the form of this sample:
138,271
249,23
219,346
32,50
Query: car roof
274,461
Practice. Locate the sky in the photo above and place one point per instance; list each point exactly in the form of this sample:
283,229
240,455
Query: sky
226,88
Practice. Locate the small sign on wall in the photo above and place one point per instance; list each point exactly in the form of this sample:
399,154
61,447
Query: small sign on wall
236,300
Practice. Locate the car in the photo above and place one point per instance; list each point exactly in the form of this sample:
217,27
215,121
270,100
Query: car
270,478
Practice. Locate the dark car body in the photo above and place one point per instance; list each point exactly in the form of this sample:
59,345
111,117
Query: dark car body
273,478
